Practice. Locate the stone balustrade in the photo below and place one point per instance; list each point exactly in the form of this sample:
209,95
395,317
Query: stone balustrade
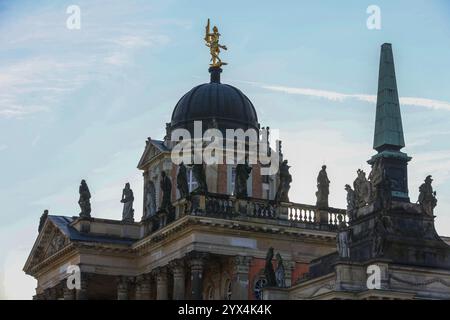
229,207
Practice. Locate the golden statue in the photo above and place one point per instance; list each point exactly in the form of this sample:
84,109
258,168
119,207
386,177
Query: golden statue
212,41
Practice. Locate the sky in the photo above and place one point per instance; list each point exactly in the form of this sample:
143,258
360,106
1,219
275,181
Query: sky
80,103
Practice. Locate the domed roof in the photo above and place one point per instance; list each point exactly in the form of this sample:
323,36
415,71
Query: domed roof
217,105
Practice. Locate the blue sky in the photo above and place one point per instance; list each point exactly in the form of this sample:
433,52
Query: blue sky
80,103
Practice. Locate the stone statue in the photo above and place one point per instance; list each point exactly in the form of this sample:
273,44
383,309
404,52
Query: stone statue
166,188
127,200
342,241
427,197
383,225
351,202
182,181
323,189
150,200
212,41
42,220
363,189
282,194
242,174
268,270
84,201
280,272
198,171
381,185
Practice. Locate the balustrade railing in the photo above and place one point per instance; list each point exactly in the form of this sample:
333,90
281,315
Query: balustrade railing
226,206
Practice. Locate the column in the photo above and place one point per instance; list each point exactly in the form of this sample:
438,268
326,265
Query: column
81,294
196,264
122,288
143,287
240,281
289,268
162,292
68,294
178,270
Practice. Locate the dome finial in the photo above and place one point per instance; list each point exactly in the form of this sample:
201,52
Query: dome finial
212,42
215,74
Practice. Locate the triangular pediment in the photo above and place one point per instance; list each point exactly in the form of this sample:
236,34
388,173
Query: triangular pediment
49,242
153,148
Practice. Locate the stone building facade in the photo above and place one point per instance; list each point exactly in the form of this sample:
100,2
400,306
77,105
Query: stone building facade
213,245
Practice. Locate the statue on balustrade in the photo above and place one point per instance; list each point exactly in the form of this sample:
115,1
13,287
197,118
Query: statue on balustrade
323,189
198,171
85,200
150,200
44,217
351,202
268,270
182,181
282,194
242,174
127,200
363,189
427,197
280,272
166,188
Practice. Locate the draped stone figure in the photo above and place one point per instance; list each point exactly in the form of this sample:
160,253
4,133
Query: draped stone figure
127,200
280,272
42,220
84,201
198,171
380,185
182,182
150,200
268,270
166,188
427,197
351,202
282,194
363,189
342,242
242,174
323,188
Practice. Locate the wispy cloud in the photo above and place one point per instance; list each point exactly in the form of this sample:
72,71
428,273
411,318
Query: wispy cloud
59,62
338,96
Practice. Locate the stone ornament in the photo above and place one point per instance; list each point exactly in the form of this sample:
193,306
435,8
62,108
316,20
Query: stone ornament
182,181
427,197
198,171
268,270
127,200
323,188
282,194
242,174
42,220
280,272
351,202
166,188
84,201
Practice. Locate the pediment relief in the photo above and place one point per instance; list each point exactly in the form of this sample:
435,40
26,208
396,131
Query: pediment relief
150,152
50,242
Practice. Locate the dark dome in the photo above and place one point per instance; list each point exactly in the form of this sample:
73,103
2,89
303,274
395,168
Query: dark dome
217,105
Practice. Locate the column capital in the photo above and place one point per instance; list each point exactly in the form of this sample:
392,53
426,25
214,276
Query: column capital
177,266
160,272
197,259
241,264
